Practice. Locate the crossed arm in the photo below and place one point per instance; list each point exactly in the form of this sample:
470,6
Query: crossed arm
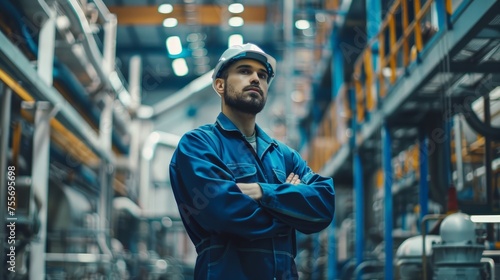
254,190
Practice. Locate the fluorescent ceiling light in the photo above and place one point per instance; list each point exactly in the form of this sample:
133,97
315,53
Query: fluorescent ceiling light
174,45
236,8
165,9
485,218
236,21
235,39
302,24
180,67
170,22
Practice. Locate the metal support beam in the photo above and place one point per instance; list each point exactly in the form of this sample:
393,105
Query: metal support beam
332,251
469,68
457,131
466,24
25,73
40,175
106,177
208,14
359,208
424,171
46,49
109,48
316,248
488,159
388,203
4,151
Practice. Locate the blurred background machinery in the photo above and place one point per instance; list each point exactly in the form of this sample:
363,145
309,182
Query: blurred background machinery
397,100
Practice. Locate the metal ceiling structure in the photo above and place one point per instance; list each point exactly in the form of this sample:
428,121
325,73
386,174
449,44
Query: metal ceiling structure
204,30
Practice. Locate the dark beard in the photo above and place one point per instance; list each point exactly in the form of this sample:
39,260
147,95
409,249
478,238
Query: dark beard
236,101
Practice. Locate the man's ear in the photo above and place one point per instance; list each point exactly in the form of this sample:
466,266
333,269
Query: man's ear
219,85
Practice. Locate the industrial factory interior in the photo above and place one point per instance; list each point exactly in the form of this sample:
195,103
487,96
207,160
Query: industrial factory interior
397,101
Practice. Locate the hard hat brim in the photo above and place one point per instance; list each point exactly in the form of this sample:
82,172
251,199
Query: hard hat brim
263,59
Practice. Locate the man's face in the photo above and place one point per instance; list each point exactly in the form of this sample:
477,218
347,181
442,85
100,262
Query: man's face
246,86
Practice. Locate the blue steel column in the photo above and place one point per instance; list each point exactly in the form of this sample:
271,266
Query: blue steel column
359,206
424,169
442,17
388,218
338,80
373,23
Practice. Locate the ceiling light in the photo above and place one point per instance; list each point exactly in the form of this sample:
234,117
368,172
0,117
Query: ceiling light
180,67
170,22
236,8
165,9
174,45
302,24
236,21
235,39
485,218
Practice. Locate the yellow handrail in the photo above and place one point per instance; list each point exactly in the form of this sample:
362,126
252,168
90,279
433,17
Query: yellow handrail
364,71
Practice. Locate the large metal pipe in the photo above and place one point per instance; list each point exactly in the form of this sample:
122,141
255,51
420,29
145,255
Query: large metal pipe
40,179
155,139
4,149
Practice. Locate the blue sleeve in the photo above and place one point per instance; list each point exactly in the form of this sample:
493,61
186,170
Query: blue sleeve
207,194
309,206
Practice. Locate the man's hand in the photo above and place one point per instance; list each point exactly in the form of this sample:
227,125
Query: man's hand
253,190
293,179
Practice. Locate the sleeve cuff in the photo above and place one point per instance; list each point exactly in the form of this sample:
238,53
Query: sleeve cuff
268,197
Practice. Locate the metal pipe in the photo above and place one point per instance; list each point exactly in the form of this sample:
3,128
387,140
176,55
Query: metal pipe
106,176
4,150
360,208
423,161
423,230
491,264
457,129
186,93
135,80
288,26
154,139
488,159
77,258
388,203
24,71
46,48
40,176
365,264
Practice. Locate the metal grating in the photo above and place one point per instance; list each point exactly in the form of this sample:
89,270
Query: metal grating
437,83
470,79
470,49
494,53
495,21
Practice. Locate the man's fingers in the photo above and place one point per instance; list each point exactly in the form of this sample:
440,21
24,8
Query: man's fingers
293,179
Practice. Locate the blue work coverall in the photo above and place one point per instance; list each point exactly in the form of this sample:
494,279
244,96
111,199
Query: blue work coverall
237,237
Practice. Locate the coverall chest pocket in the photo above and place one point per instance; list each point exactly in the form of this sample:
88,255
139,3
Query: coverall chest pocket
280,175
243,172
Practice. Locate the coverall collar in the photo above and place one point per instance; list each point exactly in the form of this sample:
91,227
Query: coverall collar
227,125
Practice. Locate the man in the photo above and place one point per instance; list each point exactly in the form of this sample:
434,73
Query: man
240,193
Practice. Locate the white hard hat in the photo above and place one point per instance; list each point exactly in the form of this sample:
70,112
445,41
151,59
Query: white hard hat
245,51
